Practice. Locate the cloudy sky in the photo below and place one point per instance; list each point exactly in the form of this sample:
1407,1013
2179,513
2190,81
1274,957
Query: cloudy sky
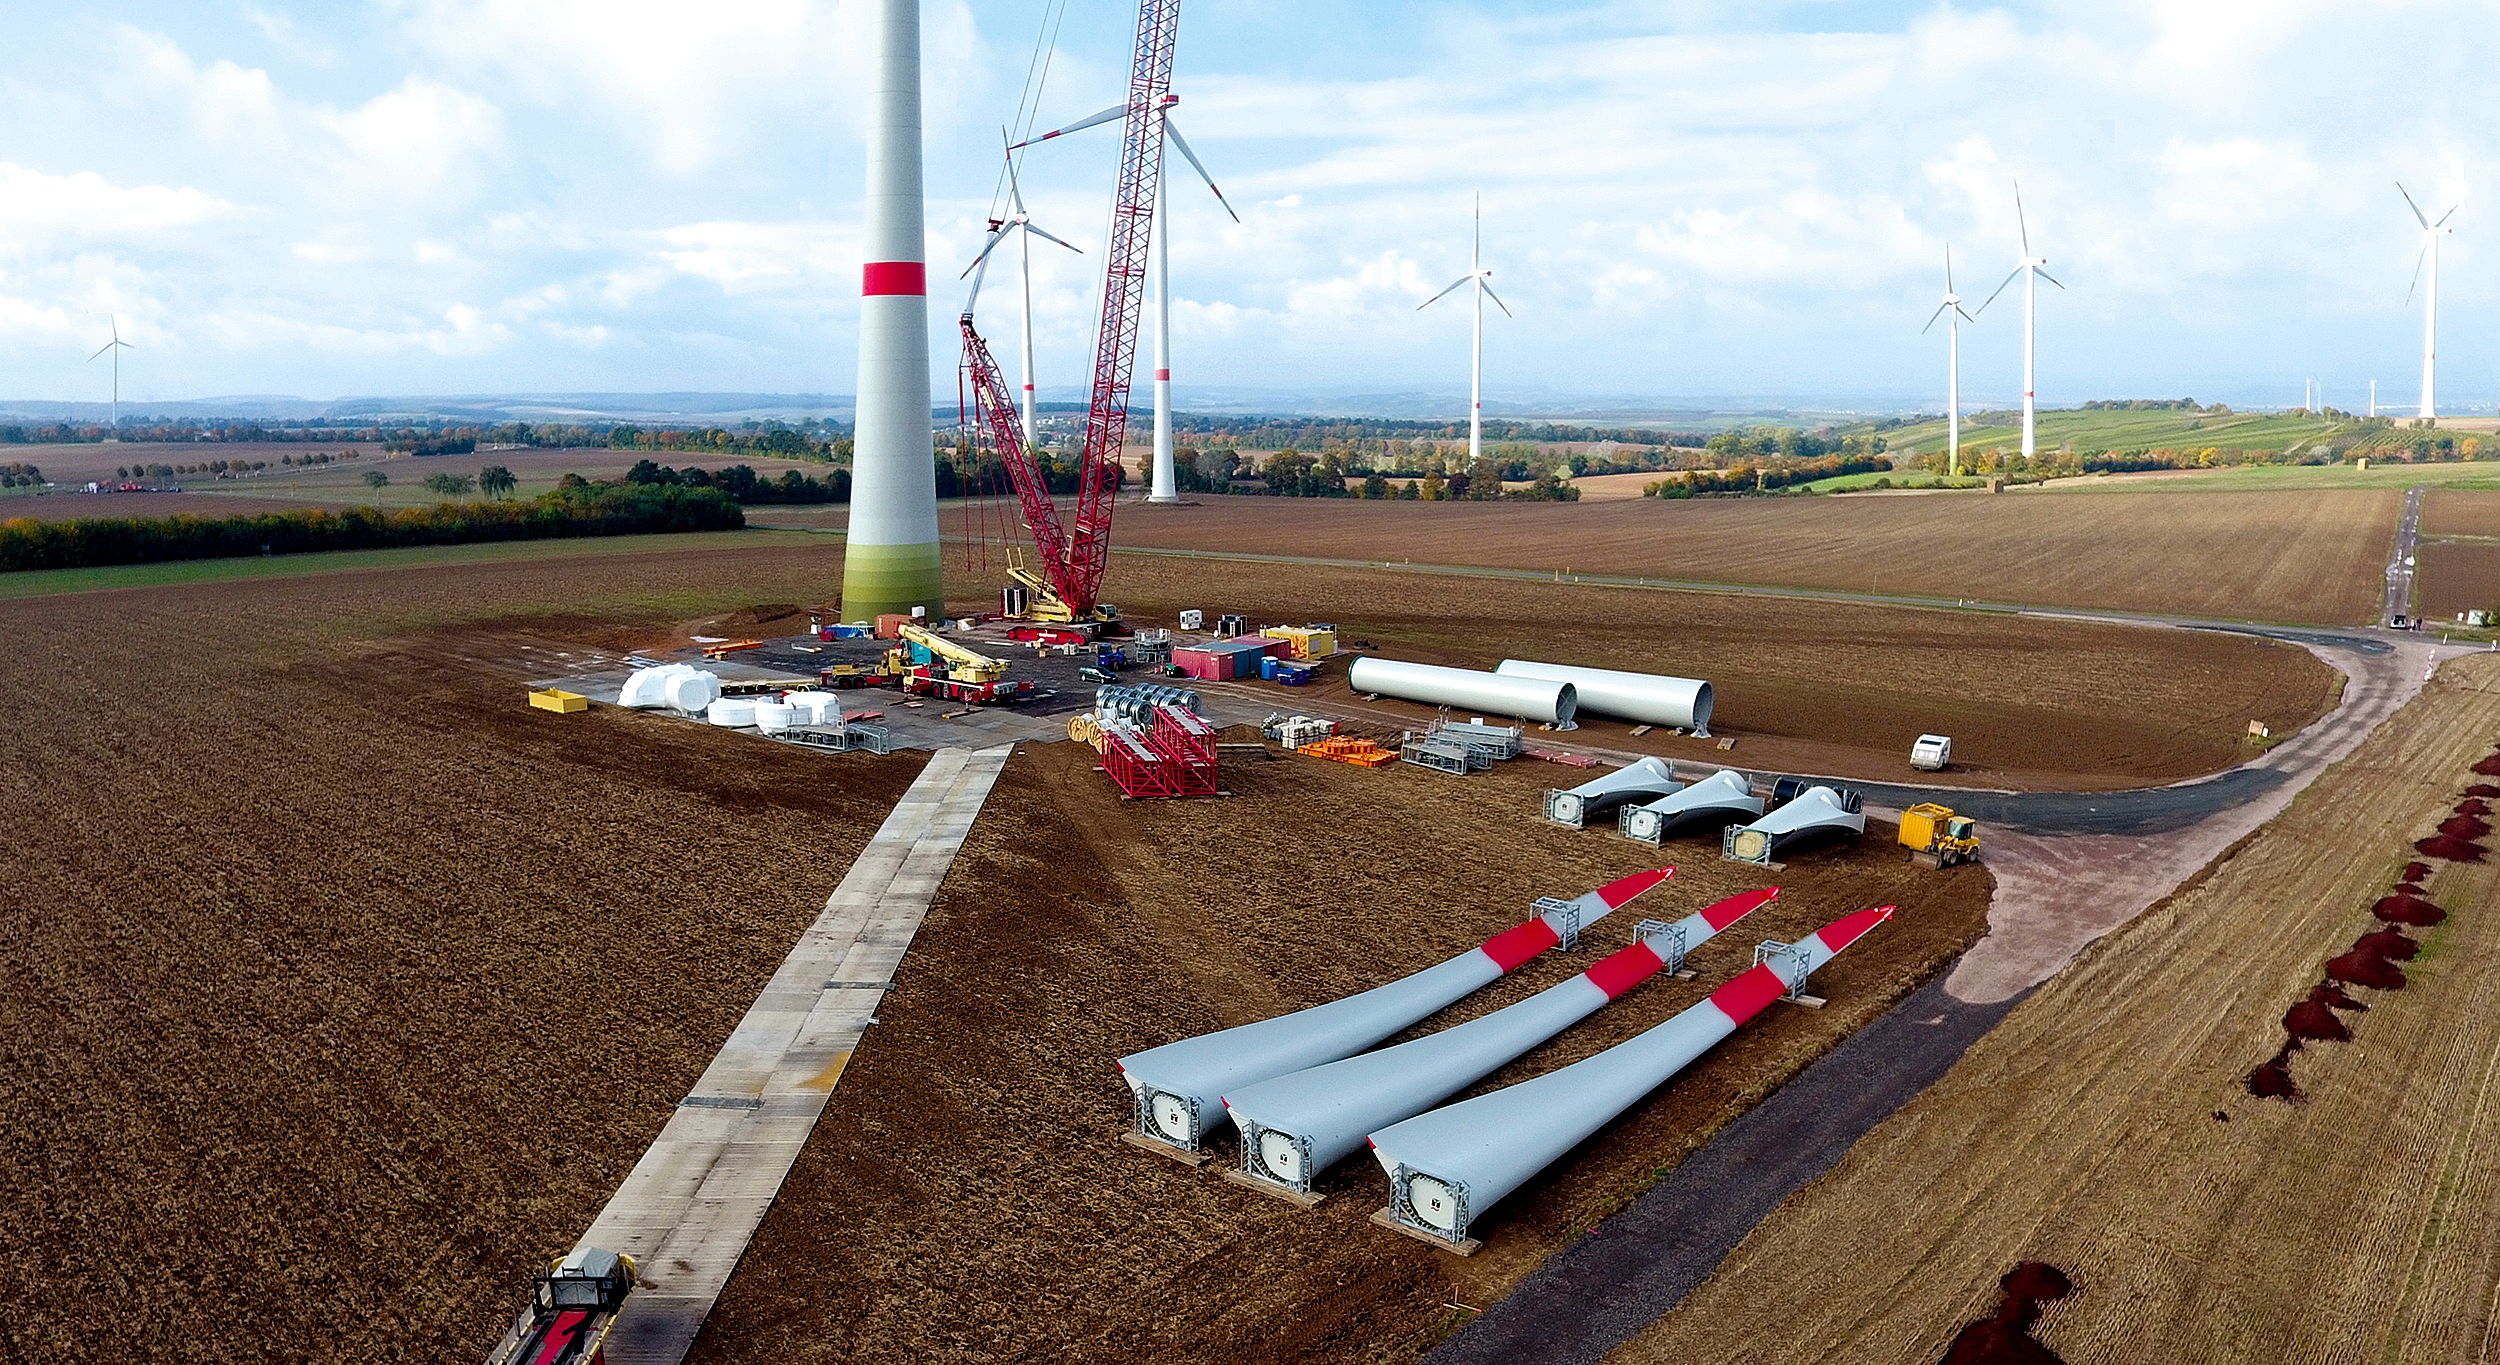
1683,200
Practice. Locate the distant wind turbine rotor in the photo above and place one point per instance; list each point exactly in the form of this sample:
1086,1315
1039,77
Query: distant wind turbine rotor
1951,311
1481,278
116,346
2432,231
2031,268
1019,222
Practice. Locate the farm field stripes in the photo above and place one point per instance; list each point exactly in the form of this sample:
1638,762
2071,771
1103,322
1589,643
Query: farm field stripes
693,1201
2315,558
2105,1127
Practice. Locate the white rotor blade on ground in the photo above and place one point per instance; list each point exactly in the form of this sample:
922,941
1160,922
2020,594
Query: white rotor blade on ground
1115,111
1992,296
1454,287
1497,299
1173,131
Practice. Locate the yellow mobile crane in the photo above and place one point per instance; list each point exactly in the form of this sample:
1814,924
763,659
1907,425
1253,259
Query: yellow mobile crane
929,663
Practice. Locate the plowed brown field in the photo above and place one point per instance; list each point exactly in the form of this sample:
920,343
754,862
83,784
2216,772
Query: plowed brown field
2104,1127
2264,556
2457,575
2461,512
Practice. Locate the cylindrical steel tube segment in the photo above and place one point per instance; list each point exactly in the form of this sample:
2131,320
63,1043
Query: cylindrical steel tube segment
890,561
1536,699
1647,698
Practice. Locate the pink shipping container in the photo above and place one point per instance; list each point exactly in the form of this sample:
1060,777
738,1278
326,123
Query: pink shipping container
1204,664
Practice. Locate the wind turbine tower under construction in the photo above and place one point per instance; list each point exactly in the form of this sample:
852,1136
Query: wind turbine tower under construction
891,562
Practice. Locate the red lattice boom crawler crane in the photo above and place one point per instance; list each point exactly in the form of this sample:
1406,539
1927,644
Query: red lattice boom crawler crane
1068,582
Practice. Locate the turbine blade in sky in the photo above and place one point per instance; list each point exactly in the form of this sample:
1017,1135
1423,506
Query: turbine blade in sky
1497,299
1028,226
1115,111
2021,224
1992,296
2049,277
1931,317
1454,284
2417,208
1174,132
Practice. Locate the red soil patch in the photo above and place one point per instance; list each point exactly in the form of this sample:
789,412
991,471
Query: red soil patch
2364,968
2489,767
2473,805
2273,1081
2450,848
2328,993
2312,1022
2409,908
2415,872
2464,827
2482,789
2389,943
2006,1339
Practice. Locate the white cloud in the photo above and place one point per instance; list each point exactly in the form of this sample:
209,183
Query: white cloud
91,206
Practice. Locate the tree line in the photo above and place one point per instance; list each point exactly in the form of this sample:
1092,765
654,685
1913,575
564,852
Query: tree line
576,508
1760,479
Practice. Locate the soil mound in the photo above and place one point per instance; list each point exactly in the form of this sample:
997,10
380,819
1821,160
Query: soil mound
2450,848
2311,1021
2408,908
2360,967
2489,767
2389,943
2006,1339
2331,995
2415,872
2473,805
2273,1080
2464,827
2482,789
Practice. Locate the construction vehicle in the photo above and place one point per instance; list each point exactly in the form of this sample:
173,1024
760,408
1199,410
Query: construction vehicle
1938,838
845,677
926,663
1044,604
570,1310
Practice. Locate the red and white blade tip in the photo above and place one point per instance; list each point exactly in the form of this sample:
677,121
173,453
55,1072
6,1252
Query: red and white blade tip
1848,929
1738,906
1615,893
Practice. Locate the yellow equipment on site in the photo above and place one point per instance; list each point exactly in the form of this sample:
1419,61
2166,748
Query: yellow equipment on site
963,665
1936,837
555,699
1047,606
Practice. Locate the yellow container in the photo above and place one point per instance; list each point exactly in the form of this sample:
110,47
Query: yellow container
1305,642
1923,824
549,699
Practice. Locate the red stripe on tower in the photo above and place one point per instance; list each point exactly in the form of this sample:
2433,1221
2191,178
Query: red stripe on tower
893,277
1164,375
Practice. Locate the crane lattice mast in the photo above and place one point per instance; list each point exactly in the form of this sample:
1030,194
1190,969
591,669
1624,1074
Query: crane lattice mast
1074,555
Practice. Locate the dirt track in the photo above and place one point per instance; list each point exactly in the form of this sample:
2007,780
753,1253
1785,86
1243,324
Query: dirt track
2105,1127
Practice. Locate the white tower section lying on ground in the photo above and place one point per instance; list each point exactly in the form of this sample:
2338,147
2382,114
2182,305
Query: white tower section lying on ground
1643,698
1179,1087
1448,1166
1538,699
890,560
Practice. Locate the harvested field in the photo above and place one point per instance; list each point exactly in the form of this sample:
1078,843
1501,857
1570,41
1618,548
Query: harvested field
80,461
1819,687
2105,1129
2461,512
2312,557
348,987
344,986
938,1213
2455,576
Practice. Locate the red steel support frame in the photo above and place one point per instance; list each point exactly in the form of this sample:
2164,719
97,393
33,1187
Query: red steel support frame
1073,558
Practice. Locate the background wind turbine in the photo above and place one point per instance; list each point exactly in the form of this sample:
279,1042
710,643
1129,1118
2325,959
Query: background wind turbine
2030,268
1019,222
1951,311
1162,486
116,346
2431,233
1476,275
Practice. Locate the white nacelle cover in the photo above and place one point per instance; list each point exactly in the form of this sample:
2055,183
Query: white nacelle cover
693,690
648,687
